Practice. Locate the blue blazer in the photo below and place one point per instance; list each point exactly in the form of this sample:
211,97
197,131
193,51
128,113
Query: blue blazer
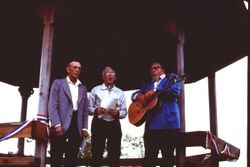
60,106
167,116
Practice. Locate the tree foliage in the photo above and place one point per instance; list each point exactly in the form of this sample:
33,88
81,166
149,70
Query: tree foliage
131,147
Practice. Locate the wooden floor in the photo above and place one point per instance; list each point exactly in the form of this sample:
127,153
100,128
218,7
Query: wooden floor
202,160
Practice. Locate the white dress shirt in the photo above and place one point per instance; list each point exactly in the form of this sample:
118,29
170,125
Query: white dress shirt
101,91
74,92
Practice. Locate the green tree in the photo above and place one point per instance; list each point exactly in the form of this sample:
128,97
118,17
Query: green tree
132,146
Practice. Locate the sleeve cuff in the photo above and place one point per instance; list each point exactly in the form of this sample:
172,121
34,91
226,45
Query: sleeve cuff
57,125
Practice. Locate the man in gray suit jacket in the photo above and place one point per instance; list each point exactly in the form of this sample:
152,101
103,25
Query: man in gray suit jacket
68,114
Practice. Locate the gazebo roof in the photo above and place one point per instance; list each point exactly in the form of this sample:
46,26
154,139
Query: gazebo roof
127,35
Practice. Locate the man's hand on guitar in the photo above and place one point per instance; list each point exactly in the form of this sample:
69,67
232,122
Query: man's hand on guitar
141,97
149,93
144,98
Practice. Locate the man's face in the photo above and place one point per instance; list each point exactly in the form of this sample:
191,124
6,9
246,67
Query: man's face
109,76
156,70
74,69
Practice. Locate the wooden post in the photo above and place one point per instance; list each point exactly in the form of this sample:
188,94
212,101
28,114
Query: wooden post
25,93
212,104
213,108
180,152
47,14
248,76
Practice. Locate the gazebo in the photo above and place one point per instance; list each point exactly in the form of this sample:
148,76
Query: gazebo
193,38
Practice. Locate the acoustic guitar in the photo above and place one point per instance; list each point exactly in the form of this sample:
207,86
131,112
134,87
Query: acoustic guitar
138,112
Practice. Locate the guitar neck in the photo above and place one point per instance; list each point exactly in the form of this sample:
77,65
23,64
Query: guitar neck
162,90
170,82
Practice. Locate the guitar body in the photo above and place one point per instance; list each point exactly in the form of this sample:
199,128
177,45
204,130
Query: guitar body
138,112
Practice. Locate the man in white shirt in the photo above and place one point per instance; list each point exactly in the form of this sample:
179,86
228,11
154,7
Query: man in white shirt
107,103
68,114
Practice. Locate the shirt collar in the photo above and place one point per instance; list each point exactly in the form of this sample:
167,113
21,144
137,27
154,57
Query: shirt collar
78,82
157,79
162,76
104,87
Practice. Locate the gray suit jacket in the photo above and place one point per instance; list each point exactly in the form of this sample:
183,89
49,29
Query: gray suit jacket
60,106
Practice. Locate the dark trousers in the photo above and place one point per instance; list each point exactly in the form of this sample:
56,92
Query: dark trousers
101,131
159,140
67,145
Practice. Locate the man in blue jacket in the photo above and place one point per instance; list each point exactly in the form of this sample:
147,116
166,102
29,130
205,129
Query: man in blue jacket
68,114
163,122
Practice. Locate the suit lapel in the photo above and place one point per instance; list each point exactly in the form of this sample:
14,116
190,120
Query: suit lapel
80,93
163,82
151,85
66,88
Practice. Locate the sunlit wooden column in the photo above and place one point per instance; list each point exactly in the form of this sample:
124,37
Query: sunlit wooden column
25,93
47,15
177,32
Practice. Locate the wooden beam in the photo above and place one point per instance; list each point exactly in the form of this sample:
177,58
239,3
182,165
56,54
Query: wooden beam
36,130
47,15
222,149
202,160
20,161
180,151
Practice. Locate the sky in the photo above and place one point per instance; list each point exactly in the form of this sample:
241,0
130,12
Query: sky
231,88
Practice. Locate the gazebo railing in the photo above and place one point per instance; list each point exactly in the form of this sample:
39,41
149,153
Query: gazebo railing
220,149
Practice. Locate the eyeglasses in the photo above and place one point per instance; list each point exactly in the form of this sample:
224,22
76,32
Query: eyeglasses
155,67
109,73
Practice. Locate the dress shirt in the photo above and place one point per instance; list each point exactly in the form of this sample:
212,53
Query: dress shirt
157,82
101,91
74,92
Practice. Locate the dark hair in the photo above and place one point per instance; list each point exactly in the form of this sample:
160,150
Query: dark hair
157,62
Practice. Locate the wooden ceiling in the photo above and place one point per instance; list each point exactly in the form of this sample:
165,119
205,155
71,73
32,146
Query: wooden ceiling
127,35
